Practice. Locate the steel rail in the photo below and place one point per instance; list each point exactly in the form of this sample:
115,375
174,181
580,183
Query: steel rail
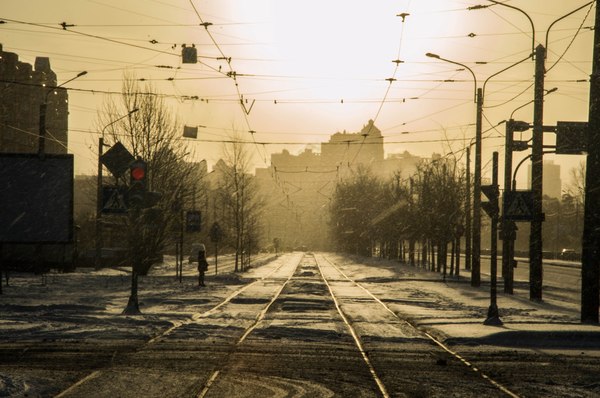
176,325
425,333
355,336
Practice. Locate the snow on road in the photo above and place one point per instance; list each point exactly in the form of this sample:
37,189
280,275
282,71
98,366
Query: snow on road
86,306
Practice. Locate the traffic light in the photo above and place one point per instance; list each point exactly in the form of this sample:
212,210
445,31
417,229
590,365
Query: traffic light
513,126
138,173
517,125
189,55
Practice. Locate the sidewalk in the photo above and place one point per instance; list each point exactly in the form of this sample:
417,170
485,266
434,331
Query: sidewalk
455,312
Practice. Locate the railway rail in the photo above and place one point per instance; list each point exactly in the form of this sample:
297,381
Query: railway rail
298,326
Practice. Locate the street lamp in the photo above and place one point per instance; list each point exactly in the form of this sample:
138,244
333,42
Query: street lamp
476,232
101,145
43,110
476,247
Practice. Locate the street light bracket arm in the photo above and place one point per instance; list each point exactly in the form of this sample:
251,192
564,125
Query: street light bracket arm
116,120
431,55
563,17
502,71
523,161
62,84
528,17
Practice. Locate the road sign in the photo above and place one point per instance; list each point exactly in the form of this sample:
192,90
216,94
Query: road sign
491,207
571,138
193,221
117,159
216,233
518,205
113,200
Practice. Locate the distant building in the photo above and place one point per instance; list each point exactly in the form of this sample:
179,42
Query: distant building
298,188
24,87
551,182
346,149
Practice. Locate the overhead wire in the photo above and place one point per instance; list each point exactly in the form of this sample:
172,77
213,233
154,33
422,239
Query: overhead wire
387,91
388,100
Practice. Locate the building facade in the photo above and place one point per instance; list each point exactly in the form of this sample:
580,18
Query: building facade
24,88
551,182
298,189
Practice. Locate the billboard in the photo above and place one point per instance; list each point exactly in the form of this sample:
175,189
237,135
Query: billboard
36,198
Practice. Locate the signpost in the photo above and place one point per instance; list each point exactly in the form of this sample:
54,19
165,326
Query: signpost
216,234
491,207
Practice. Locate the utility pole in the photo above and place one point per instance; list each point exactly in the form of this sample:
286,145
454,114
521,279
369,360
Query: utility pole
590,258
468,213
535,237
476,248
98,226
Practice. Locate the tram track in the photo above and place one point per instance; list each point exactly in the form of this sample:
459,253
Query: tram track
304,325
176,325
307,296
426,334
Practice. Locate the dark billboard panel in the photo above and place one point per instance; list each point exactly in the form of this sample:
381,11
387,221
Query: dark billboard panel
36,198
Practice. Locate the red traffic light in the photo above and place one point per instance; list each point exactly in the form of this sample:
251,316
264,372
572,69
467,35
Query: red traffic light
138,173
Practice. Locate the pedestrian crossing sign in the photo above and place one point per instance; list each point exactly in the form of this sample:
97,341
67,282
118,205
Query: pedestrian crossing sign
518,205
113,200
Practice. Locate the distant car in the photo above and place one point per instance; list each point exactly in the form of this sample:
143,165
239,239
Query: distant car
569,255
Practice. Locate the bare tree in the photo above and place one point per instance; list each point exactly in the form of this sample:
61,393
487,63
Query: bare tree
238,194
576,187
153,134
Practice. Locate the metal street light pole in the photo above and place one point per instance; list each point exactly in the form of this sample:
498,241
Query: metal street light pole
42,115
101,145
468,220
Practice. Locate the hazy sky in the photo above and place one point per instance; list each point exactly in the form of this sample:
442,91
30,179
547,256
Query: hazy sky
312,68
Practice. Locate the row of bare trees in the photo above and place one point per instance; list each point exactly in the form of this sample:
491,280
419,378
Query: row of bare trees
421,219
409,219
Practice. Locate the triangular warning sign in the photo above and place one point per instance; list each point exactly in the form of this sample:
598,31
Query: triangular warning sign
519,206
115,202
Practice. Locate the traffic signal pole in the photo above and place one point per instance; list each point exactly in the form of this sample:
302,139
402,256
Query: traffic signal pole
590,258
493,316
507,256
535,237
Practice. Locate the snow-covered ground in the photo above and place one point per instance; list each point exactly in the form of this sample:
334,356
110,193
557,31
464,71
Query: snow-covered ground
86,305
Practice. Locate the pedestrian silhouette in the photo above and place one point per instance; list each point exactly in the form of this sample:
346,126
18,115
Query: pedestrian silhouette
202,265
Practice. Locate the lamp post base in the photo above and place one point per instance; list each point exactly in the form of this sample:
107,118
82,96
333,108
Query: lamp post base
493,317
